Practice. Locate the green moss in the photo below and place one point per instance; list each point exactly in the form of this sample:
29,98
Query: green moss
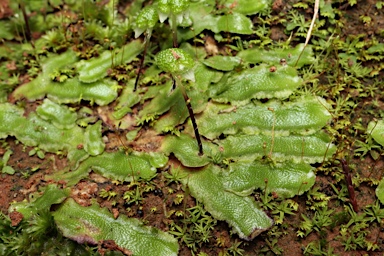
262,127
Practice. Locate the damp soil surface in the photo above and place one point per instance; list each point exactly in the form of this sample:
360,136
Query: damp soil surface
31,172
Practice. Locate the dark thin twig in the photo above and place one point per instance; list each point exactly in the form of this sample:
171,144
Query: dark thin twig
175,44
146,43
174,31
192,116
141,63
25,16
348,179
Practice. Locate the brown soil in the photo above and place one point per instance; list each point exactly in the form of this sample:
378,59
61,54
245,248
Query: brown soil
5,10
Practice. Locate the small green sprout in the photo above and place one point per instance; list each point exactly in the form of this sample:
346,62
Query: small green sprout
3,163
133,196
175,175
375,213
107,194
318,223
285,207
38,152
316,248
178,199
316,199
235,250
194,230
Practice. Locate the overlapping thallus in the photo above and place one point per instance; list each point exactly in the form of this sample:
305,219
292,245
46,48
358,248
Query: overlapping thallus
255,132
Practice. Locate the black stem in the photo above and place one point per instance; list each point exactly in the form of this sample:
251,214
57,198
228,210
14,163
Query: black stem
25,16
141,63
192,116
174,31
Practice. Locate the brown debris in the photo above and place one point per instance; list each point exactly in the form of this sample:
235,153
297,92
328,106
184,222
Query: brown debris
16,218
112,246
5,10
211,45
83,192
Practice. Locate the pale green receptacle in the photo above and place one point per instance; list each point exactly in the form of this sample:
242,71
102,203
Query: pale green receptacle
146,20
175,61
